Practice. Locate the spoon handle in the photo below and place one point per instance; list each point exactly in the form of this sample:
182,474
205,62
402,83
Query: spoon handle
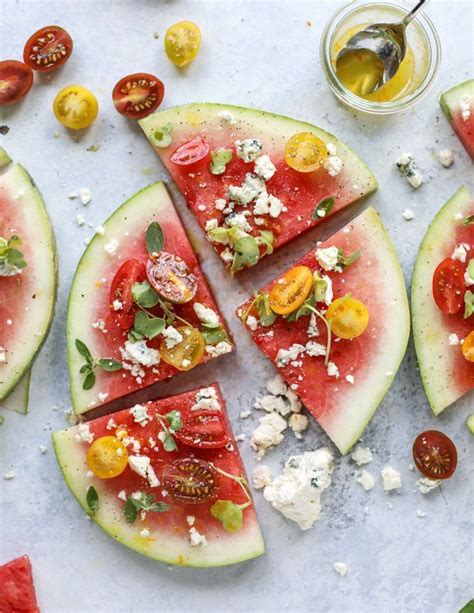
413,12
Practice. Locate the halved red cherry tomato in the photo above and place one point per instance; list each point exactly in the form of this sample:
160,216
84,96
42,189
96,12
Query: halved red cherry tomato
448,286
435,455
137,95
48,49
191,153
131,271
204,429
170,277
190,480
16,80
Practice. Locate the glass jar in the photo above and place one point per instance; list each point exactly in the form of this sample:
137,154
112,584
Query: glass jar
417,72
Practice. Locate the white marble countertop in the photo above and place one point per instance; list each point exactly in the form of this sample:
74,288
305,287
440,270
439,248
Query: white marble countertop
261,54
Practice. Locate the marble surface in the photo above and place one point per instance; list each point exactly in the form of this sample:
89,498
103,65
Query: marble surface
262,54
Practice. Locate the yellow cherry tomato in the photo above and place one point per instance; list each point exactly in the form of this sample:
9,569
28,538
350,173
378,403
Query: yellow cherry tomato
182,42
188,353
305,152
348,317
75,107
107,457
467,347
289,292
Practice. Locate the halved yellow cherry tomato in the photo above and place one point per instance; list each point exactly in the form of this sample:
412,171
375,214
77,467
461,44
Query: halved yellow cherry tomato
348,317
182,42
75,107
188,353
289,292
467,347
107,457
305,152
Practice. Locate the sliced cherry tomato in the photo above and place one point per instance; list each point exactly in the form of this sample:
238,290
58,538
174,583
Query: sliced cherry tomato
107,457
170,277
190,480
467,347
188,353
138,95
435,455
16,80
121,301
448,286
191,153
289,292
348,317
48,49
75,107
182,42
305,152
204,429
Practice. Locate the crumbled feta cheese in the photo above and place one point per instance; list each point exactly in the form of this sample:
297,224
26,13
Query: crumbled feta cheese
9,475
211,224
238,220
465,104
333,165
453,339
314,349
333,370
408,214
142,466
271,403
426,485
196,539
250,189
362,455
252,322
139,353
350,379
406,165
284,356
460,252
206,398
420,513
240,437
122,495
340,568
111,424
298,423
140,415
328,257
275,206
219,349
172,337
245,414
277,386
264,167
446,157
261,206
227,256
111,247
85,195
102,396
332,149
43,449
268,433
100,230
220,204
3,355
117,305
83,434
313,326
366,480
80,219
296,493
99,325
249,149
261,477
392,480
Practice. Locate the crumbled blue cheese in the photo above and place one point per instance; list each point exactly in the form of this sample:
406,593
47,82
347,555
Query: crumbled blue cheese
264,167
83,434
206,315
298,423
460,252
275,206
261,477
426,485
328,257
333,370
196,539
408,214
313,330
139,353
172,337
362,455
220,204
252,322
365,479
219,349
206,398
227,255
250,189
249,149
142,466
268,433
271,403
285,356
211,224
406,165
140,415
238,220
314,349
261,206
446,157
102,396
296,493
392,479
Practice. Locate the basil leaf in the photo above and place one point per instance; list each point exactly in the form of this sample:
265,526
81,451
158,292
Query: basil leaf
83,350
109,364
92,499
169,444
467,221
324,207
229,514
130,510
89,381
212,337
174,420
219,160
147,325
144,295
155,239
162,136
468,304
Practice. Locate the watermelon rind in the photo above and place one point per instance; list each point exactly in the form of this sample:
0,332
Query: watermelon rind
450,100
19,398
16,180
431,341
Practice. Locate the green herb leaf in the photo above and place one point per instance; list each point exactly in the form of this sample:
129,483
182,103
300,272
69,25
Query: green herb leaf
147,325
467,221
320,286
11,258
161,137
85,368
93,148
343,262
247,253
169,444
468,607
89,381
219,160
155,239
147,503
109,364
229,514
134,336
212,337
130,510
266,315
174,420
144,295
266,238
470,268
468,304
92,499
324,207
83,350
2,419
219,235
303,310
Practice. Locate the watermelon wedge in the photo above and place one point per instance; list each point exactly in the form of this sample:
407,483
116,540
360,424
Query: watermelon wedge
342,388
458,106
173,486
116,347
255,194
17,591
445,373
27,293
18,399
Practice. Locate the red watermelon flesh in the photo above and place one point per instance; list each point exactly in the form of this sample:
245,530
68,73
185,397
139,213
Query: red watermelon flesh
299,192
89,301
341,407
17,591
458,106
169,532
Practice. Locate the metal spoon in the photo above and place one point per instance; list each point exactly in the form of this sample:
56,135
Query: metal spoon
386,41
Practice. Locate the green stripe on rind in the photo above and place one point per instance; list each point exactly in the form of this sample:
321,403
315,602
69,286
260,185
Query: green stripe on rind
450,100
19,398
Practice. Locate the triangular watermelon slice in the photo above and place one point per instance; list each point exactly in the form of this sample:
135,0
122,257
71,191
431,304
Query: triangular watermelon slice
173,486
445,373
17,591
27,293
458,106
231,199
99,325
341,389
